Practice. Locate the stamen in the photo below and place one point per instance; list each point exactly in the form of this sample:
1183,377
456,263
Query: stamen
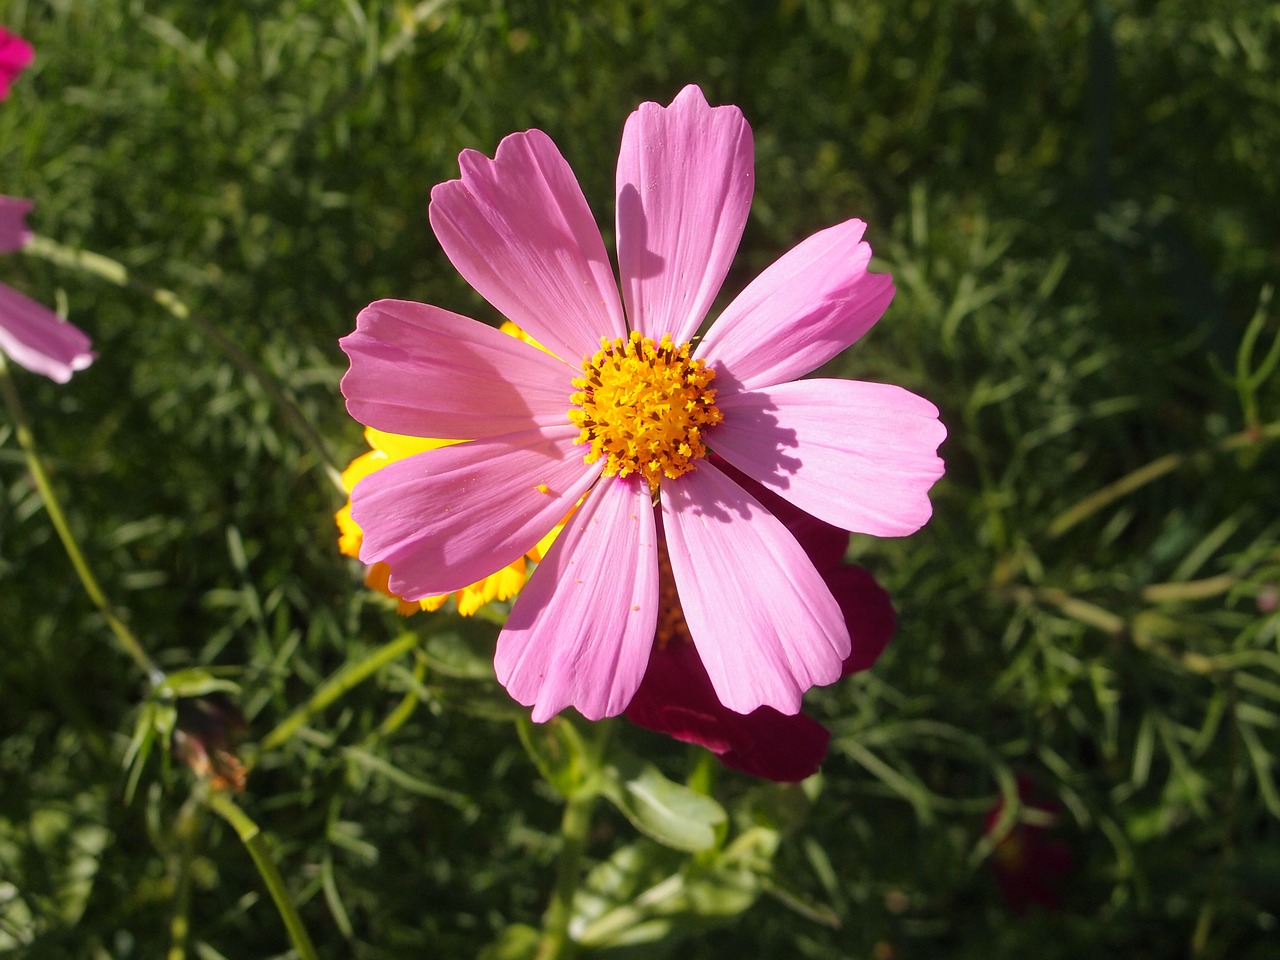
643,407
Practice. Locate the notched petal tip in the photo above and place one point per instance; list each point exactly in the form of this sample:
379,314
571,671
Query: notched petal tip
859,455
519,230
690,92
685,177
692,99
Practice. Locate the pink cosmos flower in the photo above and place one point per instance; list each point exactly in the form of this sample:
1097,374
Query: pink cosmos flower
15,56
31,335
619,410
676,696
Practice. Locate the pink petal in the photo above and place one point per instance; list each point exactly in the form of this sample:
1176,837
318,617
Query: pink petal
800,312
426,372
13,227
519,229
580,633
856,454
33,336
765,625
685,179
15,55
676,698
447,518
824,544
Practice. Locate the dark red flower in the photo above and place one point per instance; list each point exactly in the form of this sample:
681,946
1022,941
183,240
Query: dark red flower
676,696
1028,864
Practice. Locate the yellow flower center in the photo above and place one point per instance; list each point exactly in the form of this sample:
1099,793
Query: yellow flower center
643,407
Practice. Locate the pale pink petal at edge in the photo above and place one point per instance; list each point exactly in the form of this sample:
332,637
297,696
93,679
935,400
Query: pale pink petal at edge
447,518
858,455
426,372
581,631
805,308
13,226
35,338
765,625
518,228
685,178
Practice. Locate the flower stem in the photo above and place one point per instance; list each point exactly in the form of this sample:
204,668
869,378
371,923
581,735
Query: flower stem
185,828
575,825
251,836
344,680
1153,471
555,943
26,440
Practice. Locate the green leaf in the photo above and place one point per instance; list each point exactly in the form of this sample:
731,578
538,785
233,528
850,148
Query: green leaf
135,757
722,893
371,762
516,942
646,893
662,809
155,724
194,682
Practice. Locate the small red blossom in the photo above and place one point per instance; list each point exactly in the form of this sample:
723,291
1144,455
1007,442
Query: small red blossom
1028,864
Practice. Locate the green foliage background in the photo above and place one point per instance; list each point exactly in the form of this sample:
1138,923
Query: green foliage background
1079,202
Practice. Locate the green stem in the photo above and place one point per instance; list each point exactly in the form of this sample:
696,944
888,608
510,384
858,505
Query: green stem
345,679
251,836
1153,471
575,826
1217,884
185,829
118,274
26,440
408,704
1082,611
555,943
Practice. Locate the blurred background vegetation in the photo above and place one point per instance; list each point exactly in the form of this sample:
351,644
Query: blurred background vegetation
1080,203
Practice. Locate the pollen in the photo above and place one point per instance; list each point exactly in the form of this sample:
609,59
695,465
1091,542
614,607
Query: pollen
644,407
